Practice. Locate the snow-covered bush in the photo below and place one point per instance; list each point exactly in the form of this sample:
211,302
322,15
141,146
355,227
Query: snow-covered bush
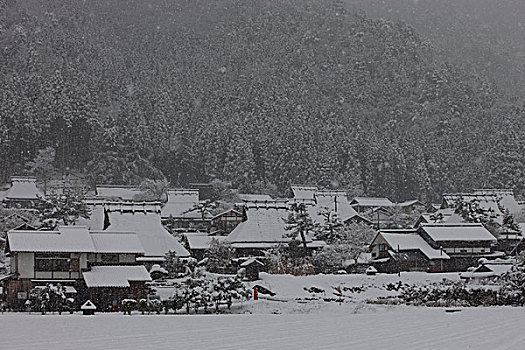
512,291
205,293
128,305
48,298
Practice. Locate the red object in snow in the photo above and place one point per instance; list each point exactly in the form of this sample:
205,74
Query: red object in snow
255,293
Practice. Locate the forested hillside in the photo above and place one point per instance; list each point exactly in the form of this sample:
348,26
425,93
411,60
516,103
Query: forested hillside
262,93
477,35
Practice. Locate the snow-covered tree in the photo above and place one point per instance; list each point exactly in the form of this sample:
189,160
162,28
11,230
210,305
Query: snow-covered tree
43,166
219,257
63,208
300,224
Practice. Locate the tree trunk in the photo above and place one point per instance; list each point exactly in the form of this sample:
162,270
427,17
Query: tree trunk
305,248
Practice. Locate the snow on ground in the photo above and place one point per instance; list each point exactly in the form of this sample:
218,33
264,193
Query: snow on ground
291,319
398,328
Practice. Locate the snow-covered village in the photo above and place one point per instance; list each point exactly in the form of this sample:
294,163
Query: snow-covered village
293,174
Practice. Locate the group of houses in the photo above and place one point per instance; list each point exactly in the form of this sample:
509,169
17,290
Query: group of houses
108,256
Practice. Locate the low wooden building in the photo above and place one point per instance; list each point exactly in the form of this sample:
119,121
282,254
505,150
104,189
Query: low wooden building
405,250
23,193
225,222
65,256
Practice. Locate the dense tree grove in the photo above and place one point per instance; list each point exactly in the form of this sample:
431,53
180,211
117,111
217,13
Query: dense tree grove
260,93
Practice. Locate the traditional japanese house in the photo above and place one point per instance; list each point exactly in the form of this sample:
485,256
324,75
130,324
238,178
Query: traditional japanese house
145,220
225,222
23,193
65,256
465,243
180,212
412,206
334,203
405,250
367,204
265,228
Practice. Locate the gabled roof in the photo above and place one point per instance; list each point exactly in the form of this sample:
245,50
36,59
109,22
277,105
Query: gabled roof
264,228
115,276
263,225
201,241
251,261
67,239
180,204
410,203
226,212
155,239
372,202
410,240
457,232
304,192
116,242
23,188
337,204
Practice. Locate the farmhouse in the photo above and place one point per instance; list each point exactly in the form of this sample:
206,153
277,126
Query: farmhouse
335,203
465,243
405,250
367,204
145,220
225,222
264,228
23,193
180,210
432,247
65,256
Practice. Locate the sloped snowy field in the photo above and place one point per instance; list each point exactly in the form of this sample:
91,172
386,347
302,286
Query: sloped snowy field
401,328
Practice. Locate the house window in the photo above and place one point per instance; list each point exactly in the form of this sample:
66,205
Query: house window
109,258
52,262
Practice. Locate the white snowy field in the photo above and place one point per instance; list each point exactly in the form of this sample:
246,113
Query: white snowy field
292,319
394,328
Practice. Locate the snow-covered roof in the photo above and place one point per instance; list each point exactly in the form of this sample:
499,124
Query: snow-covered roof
116,242
226,212
183,196
74,239
409,203
457,232
336,204
67,239
263,225
125,193
304,192
155,239
250,261
115,276
372,202
410,240
180,204
254,197
96,218
201,241
23,188
488,200
88,305
181,211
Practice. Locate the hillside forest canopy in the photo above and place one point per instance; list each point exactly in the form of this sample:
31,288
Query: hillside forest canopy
264,94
